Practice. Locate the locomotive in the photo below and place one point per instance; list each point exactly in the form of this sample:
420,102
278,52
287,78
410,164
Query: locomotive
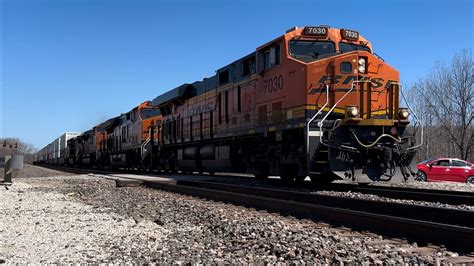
316,101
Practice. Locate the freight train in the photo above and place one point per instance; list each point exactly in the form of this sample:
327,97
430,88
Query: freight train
315,101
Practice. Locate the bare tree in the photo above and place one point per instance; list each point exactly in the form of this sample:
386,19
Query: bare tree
445,104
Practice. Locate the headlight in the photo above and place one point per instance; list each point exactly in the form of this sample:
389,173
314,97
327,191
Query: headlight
362,64
352,111
403,113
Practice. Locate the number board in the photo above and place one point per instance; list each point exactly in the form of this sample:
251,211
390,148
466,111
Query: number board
316,31
350,34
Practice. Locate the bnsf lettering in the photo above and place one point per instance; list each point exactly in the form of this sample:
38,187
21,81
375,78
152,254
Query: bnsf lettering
200,109
330,79
273,84
376,82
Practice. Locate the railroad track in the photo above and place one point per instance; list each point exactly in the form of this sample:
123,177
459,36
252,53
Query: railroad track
452,228
417,194
425,225
406,193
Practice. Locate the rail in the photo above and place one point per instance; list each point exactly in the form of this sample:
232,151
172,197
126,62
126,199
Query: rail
143,146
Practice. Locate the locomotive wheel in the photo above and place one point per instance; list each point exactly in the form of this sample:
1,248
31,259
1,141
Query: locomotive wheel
300,178
261,175
261,170
287,178
288,172
320,179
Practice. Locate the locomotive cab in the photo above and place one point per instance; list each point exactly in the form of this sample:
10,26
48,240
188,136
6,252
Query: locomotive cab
131,136
355,128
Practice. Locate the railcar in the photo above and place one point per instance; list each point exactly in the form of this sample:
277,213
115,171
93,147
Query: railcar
62,146
316,101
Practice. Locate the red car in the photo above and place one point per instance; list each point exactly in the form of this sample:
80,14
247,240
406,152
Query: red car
446,169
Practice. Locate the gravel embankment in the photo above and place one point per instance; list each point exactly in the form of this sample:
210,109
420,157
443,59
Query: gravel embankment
87,219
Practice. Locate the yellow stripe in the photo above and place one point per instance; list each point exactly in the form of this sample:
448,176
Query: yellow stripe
370,122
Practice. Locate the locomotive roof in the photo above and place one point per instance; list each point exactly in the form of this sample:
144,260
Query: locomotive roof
185,91
105,125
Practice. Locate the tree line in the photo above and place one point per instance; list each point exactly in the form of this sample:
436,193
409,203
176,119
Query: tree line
444,104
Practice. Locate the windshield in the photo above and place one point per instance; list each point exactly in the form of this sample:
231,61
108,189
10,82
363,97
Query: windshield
308,51
347,47
149,112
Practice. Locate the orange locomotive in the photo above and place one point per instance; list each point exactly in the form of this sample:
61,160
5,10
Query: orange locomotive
315,102
128,137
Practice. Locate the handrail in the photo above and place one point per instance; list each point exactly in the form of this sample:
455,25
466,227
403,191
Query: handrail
142,148
320,123
314,117
414,114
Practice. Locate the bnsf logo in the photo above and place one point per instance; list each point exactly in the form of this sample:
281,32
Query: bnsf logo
347,80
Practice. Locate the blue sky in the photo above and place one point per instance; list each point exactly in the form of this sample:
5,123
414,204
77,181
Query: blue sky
68,65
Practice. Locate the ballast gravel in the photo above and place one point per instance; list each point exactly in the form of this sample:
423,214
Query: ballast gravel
83,218
453,186
358,195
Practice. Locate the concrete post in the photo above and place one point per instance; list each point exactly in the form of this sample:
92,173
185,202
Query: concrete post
7,178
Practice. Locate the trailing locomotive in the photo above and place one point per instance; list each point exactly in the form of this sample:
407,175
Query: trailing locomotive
315,102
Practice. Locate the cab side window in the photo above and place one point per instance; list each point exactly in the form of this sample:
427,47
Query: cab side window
270,57
224,77
248,66
442,163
